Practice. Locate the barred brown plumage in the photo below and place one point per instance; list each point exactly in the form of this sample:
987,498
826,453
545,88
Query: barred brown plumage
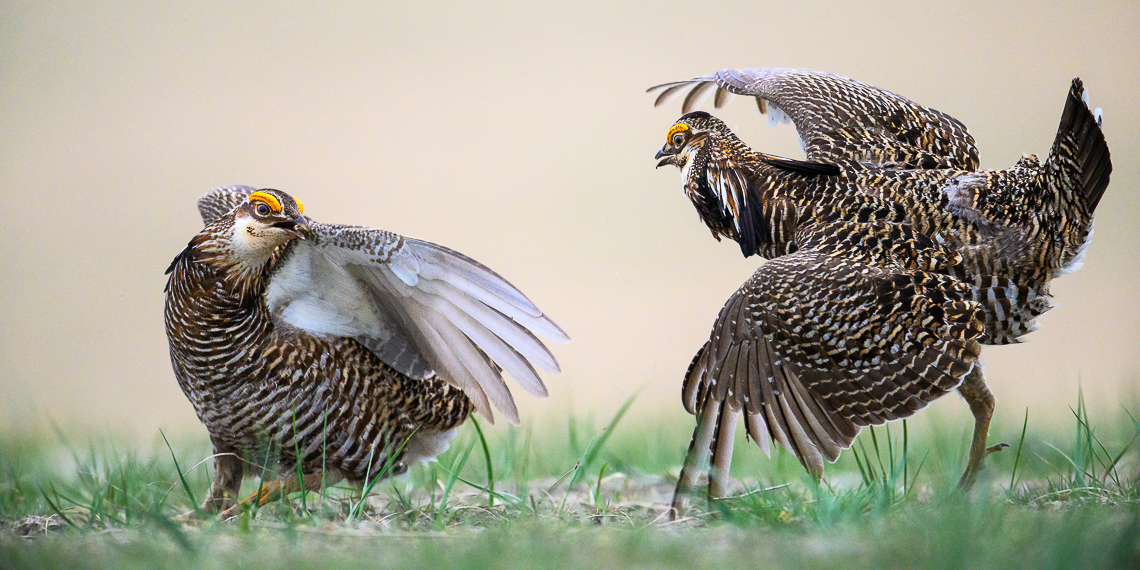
892,258
841,119
343,349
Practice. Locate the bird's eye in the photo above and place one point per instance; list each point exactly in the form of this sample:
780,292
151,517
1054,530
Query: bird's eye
261,209
678,139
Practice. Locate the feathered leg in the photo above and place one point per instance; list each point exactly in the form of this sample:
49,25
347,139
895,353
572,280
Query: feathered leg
698,455
981,401
228,471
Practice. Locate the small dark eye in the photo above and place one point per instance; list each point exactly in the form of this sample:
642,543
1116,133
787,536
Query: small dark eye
678,139
262,210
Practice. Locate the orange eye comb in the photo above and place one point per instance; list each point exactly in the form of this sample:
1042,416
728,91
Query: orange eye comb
267,199
678,128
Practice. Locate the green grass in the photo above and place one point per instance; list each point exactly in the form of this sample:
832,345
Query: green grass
593,497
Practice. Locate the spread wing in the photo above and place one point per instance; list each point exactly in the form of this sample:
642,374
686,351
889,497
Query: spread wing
422,308
840,119
220,201
821,342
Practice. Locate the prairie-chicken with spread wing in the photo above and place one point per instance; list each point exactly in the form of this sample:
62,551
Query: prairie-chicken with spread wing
800,348
351,351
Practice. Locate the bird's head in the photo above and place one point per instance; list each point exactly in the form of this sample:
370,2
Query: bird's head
687,138
266,220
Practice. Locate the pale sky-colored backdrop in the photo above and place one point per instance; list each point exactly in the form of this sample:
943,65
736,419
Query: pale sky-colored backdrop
518,133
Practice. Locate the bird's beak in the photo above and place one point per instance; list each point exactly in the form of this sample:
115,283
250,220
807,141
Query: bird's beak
298,228
664,157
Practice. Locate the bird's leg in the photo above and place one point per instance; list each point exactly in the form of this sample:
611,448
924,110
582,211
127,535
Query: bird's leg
228,472
273,490
695,461
981,401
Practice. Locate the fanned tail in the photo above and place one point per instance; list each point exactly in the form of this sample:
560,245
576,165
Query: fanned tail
1079,162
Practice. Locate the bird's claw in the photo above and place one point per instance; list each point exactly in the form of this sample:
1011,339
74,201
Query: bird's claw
997,447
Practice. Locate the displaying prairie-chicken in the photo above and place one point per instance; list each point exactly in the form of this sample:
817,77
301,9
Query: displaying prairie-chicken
352,351
891,259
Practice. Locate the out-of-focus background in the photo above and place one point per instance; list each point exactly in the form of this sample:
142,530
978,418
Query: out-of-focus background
518,133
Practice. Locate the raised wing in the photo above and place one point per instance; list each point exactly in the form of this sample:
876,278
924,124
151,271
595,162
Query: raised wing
220,201
854,329
840,119
420,307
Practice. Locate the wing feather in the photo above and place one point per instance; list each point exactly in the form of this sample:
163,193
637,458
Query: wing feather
412,302
482,375
437,263
220,201
422,308
482,332
841,119
447,357
823,341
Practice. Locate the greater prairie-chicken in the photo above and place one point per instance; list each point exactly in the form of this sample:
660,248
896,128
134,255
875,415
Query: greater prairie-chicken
352,351
892,258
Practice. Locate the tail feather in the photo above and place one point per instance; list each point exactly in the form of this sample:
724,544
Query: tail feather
723,439
1080,156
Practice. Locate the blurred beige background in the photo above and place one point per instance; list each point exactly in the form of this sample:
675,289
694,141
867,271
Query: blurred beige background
518,133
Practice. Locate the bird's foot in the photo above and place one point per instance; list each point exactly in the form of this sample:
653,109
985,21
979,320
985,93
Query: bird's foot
994,448
976,465
268,492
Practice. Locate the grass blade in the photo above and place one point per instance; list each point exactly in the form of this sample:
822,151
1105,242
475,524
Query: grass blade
598,490
1080,470
596,445
1020,443
181,476
919,470
906,440
388,463
878,454
1112,466
270,451
55,507
453,474
487,458
515,501
890,449
859,464
300,469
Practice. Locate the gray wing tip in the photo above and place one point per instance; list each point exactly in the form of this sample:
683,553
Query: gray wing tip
561,338
665,86
502,287
673,87
727,80
682,82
